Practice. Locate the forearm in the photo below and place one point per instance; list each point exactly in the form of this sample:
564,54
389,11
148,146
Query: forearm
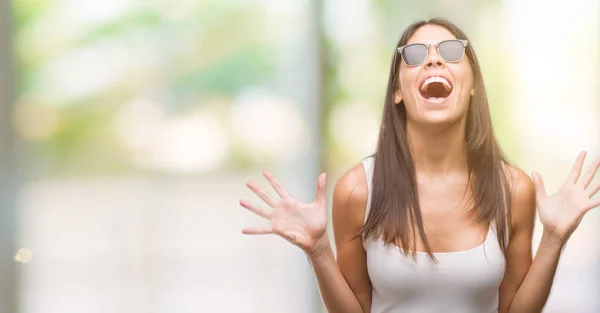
335,292
535,289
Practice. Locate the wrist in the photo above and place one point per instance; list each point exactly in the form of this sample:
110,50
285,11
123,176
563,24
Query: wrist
552,239
321,249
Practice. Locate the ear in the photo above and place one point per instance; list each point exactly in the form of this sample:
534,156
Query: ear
397,96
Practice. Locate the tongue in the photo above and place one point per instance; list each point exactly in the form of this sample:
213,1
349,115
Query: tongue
435,99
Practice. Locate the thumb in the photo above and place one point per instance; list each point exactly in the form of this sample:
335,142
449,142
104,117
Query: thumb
538,182
321,197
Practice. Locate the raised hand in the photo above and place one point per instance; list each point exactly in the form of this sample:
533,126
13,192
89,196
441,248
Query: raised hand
300,223
562,212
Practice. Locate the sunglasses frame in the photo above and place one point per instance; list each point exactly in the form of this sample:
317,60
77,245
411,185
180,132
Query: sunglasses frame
437,47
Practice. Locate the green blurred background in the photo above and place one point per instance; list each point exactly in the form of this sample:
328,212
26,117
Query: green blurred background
130,128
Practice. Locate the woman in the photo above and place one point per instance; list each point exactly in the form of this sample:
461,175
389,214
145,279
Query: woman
436,220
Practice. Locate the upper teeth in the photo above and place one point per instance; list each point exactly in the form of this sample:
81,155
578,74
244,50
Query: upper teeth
438,79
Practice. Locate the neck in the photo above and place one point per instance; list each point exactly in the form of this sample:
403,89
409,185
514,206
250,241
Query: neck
438,150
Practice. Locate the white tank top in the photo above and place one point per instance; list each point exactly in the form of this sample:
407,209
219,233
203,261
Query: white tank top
462,282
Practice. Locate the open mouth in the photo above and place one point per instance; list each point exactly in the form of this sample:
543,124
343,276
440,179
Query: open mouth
436,88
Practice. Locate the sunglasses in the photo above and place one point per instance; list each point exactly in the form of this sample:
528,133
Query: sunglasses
449,50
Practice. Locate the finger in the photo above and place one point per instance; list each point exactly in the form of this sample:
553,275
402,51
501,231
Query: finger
321,193
256,209
594,190
262,230
275,183
262,195
591,172
576,171
540,189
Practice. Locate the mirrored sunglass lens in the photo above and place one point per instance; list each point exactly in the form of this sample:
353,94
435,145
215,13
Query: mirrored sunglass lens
451,51
414,54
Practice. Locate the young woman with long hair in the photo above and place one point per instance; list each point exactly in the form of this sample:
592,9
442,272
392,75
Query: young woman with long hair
436,220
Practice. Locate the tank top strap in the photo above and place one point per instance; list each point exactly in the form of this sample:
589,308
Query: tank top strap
368,165
505,207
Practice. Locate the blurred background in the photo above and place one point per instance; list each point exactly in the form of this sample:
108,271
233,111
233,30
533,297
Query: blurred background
129,129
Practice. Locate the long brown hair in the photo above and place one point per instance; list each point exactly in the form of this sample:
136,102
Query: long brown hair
395,214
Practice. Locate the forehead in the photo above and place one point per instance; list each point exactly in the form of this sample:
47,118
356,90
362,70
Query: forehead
430,34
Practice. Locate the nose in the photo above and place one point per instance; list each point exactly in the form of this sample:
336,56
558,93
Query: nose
433,58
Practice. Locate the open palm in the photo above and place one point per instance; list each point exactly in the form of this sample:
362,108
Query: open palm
562,212
302,224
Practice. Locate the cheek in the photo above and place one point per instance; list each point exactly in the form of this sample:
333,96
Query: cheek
469,85
468,77
465,76
406,82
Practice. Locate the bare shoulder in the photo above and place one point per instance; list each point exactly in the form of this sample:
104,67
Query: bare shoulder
517,177
350,197
522,196
521,185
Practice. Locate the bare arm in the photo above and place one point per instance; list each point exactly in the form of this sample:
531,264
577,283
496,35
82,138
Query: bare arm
519,255
526,290
535,289
345,285
526,285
